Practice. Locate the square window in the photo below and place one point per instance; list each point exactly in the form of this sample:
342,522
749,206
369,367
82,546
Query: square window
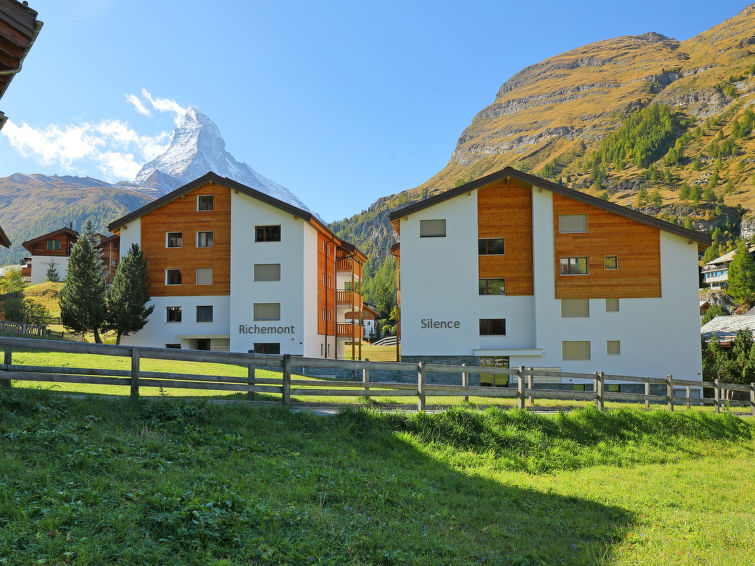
492,286
172,276
267,233
204,239
53,245
205,202
492,327
267,271
575,307
613,347
572,224
173,314
267,348
267,311
432,228
573,265
611,262
612,305
173,239
490,246
204,313
204,276
575,349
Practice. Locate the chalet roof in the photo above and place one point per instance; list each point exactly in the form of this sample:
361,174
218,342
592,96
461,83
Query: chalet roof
30,243
370,308
18,30
235,185
703,240
727,326
727,257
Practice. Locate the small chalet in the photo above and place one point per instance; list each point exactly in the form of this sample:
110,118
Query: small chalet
370,318
715,273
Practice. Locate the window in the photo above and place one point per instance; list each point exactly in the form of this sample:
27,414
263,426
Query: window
173,314
173,239
267,271
492,327
323,314
432,228
204,313
575,350
572,224
204,239
612,305
611,262
172,276
53,245
613,347
490,246
492,286
203,344
573,266
173,346
575,307
205,202
267,311
267,233
267,348
204,275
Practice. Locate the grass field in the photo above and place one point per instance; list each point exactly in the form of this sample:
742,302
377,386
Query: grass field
101,481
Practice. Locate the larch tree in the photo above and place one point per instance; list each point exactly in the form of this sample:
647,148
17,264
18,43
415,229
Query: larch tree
128,295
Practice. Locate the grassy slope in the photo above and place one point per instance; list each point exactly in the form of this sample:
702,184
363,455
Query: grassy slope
119,482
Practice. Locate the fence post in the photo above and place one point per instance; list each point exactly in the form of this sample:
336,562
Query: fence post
599,391
421,377
7,360
366,380
520,387
135,357
250,375
669,393
716,396
286,390
688,393
465,381
530,386
647,393
752,398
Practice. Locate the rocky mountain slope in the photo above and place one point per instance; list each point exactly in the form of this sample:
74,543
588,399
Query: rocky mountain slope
553,117
196,148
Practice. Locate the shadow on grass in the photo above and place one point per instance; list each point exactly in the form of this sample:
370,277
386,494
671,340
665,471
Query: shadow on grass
105,481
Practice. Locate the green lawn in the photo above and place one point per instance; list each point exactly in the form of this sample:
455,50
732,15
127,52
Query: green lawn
115,481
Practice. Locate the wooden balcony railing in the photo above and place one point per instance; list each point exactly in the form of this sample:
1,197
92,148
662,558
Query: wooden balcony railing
345,265
348,298
347,330
26,271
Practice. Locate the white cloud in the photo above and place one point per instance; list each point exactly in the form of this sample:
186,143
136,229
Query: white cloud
165,105
111,145
136,103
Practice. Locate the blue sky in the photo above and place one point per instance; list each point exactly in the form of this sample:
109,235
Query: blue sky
341,102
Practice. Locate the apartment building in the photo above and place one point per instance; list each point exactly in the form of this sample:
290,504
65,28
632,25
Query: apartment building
715,273
232,268
513,270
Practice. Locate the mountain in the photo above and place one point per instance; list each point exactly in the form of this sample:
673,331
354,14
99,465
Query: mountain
645,121
196,148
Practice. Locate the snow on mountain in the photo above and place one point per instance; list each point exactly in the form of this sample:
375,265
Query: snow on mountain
198,148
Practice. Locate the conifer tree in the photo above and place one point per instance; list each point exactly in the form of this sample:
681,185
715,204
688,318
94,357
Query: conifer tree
127,297
742,275
52,273
82,298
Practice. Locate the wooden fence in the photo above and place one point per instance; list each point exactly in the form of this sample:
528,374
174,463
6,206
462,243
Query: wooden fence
525,378
23,328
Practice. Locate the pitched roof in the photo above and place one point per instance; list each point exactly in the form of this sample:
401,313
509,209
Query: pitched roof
65,230
728,256
511,173
727,326
235,185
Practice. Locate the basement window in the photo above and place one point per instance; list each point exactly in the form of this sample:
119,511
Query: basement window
268,347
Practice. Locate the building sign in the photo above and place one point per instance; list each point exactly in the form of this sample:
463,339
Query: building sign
430,323
255,329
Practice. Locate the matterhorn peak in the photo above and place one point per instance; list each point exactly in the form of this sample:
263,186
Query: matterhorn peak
197,148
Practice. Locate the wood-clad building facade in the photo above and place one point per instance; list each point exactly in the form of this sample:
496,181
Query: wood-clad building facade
232,268
514,269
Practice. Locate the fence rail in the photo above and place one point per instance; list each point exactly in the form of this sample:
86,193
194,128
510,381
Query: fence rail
525,378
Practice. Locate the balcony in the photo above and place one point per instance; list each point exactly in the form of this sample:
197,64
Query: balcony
26,271
345,330
345,265
348,298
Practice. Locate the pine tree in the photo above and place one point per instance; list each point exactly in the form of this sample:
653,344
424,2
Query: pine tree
128,295
742,275
82,298
52,273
